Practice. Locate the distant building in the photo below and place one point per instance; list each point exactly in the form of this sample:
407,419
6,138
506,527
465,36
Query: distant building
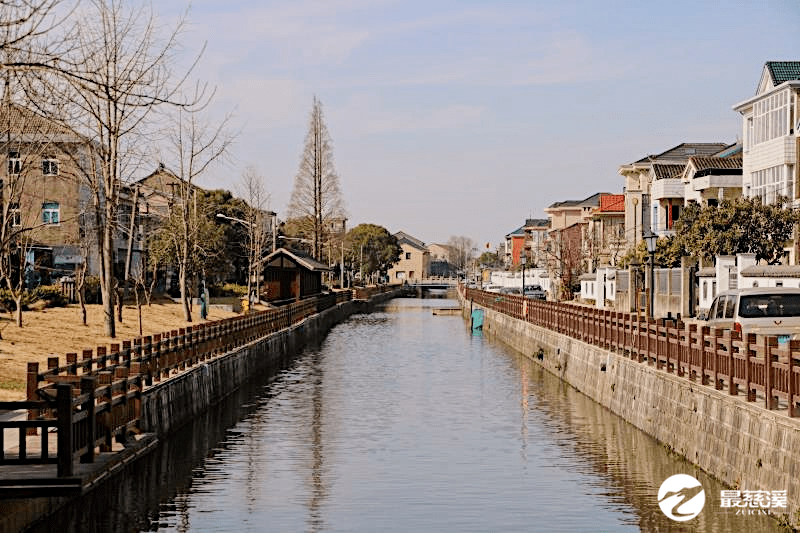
607,231
415,260
443,260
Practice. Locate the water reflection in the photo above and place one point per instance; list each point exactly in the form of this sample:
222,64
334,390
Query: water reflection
402,421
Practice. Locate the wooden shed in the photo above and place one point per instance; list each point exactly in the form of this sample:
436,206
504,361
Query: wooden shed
292,275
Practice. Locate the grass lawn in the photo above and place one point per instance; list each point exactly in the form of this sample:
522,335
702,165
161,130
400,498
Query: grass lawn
58,331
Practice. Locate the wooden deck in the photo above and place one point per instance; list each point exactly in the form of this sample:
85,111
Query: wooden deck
41,480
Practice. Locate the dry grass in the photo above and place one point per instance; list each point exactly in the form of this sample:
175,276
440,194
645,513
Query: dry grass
58,331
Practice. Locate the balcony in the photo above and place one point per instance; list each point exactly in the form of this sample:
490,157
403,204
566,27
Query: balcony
667,188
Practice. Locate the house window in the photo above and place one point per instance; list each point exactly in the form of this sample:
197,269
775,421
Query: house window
655,218
408,255
771,183
50,167
51,213
14,163
675,214
14,214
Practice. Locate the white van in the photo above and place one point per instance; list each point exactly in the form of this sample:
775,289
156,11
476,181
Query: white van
759,310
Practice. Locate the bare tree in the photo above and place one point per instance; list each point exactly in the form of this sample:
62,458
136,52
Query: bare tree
460,251
316,199
257,222
566,260
195,147
115,76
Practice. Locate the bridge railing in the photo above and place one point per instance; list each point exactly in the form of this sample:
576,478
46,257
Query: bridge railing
710,356
109,382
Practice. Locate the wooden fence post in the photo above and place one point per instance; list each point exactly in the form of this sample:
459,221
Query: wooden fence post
90,426
64,407
32,393
104,380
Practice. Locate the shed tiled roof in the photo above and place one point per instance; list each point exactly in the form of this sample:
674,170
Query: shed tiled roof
782,71
612,203
661,171
717,163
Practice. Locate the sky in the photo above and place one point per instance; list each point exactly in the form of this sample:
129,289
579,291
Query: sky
464,118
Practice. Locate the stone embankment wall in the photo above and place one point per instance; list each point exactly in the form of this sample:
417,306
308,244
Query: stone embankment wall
172,402
740,443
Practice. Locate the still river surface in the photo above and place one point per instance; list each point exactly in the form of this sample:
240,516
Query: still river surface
404,421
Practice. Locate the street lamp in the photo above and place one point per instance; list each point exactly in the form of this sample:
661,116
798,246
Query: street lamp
650,239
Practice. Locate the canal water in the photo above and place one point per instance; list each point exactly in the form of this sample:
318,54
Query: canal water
402,420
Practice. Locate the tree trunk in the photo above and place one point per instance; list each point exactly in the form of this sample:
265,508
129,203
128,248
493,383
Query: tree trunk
120,299
107,280
187,312
18,300
138,307
82,303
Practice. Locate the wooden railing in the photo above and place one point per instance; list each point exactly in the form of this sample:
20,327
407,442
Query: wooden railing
97,398
365,293
711,356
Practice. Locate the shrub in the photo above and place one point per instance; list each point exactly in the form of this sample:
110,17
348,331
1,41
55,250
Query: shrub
91,290
7,300
228,289
50,294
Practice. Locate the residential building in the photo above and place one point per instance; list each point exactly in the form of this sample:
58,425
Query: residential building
514,246
415,260
568,245
654,190
709,180
607,231
535,230
771,137
46,195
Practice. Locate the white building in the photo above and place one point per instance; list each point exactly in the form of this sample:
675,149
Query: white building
770,123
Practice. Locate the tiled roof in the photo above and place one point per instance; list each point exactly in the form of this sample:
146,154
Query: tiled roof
733,149
667,171
23,121
772,271
403,237
519,231
717,163
537,222
612,203
299,257
682,152
782,71
591,201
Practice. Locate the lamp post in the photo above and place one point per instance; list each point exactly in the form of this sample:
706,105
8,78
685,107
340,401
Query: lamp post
650,239
523,261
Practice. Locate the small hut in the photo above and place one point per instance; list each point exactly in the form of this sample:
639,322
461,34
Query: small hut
292,275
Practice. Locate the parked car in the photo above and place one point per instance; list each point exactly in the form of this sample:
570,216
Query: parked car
516,291
759,310
536,292
493,288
